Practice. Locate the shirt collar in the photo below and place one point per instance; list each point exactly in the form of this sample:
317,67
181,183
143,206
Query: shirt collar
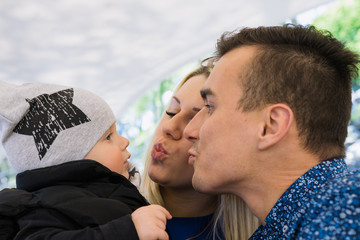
294,199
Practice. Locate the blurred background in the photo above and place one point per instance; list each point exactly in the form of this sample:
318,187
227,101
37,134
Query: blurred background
134,52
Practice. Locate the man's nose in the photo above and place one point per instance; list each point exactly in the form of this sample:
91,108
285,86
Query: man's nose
191,131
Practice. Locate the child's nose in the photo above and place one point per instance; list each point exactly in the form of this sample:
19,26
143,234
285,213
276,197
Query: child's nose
124,142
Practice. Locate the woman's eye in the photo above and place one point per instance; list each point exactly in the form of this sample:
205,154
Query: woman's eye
171,114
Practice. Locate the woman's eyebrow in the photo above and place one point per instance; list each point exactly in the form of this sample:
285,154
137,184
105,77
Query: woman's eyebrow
176,99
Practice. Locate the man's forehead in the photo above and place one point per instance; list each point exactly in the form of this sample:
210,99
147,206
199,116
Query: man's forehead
233,65
239,58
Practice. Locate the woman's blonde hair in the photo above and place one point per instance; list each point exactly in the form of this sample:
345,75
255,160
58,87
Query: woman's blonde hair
233,215
235,218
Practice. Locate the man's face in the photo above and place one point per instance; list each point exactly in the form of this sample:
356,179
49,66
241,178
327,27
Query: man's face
224,137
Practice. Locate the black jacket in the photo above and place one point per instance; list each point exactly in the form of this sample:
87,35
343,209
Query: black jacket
75,200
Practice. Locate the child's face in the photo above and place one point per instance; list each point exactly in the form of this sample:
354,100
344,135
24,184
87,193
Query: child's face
111,152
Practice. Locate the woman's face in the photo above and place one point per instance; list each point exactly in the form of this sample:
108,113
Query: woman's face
169,166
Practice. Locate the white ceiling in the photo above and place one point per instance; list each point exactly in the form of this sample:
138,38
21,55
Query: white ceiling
120,48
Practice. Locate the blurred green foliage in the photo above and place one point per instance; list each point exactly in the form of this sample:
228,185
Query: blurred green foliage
343,21
7,176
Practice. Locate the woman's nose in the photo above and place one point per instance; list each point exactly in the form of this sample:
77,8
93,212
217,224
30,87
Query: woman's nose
172,128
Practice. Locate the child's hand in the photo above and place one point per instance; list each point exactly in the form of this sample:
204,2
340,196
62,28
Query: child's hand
150,222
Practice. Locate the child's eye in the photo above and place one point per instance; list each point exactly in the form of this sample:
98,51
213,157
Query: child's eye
171,114
108,137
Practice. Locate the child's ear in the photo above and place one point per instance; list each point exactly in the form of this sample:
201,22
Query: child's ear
277,120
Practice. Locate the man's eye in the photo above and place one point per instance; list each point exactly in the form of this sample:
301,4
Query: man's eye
171,114
209,107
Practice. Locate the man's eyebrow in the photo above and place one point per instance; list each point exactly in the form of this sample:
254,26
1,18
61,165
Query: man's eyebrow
206,92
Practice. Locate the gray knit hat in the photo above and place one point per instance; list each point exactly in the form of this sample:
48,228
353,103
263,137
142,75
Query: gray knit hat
44,124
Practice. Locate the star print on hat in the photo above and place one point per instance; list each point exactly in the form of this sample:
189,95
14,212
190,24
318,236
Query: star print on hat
43,124
47,116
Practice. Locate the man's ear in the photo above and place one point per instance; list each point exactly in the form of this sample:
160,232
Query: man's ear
277,120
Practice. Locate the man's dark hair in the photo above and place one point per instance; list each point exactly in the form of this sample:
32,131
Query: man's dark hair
307,69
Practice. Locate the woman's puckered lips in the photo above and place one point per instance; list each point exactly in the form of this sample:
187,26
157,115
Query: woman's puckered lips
158,152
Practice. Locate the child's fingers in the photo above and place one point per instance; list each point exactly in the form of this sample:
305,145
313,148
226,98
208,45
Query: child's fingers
163,210
161,224
150,222
164,236
167,214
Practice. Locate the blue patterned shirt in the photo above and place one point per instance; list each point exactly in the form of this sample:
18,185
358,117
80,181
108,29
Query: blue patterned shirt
324,203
